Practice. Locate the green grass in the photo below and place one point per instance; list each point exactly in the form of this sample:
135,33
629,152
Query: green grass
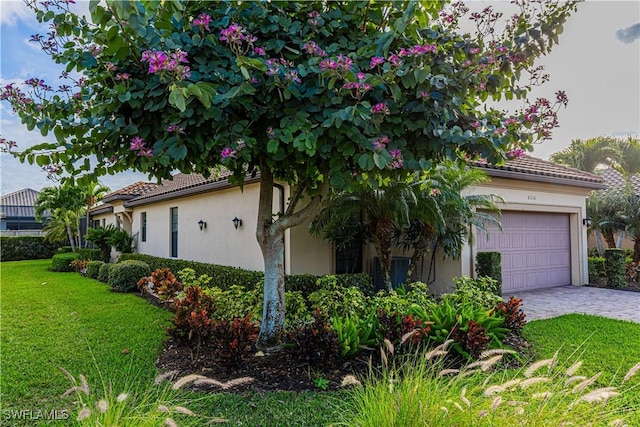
51,320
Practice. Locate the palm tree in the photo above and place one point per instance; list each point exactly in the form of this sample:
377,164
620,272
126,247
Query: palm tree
588,155
628,156
443,214
65,204
384,210
629,203
93,193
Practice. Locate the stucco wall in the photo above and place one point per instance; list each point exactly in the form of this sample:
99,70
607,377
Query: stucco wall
220,242
309,254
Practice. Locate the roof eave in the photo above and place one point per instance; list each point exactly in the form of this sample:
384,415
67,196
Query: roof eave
544,178
189,191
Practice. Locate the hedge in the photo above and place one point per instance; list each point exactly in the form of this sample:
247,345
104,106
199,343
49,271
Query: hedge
596,267
26,247
92,254
124,276
224,276
489,264
103,272
62,262
615,268
93,268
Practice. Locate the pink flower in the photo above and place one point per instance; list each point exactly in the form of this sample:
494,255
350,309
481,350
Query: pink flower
270,132
516,153
292,76
228,152
123,76
474,50
312,48
203,20
380,108
137,143
397,162
259,51
395,60
424,94
375,61
361,76
380,143
435,192
175,128
145,152
110,66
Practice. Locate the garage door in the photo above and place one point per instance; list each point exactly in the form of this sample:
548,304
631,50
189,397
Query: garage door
535,250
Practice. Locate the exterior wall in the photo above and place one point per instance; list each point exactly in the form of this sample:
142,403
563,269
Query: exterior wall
109,219
219,243
627,243
309,254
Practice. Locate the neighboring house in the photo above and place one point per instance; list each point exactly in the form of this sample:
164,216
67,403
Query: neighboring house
543,243
615,180
17,213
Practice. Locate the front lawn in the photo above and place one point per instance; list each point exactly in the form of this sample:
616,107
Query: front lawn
52,320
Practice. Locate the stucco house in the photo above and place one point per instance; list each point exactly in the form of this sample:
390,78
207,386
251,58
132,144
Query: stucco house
543,241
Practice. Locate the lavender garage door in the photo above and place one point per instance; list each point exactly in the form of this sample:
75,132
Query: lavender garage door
535,249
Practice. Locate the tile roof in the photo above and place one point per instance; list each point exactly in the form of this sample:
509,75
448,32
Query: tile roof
131,191
613,178
182,182
535,169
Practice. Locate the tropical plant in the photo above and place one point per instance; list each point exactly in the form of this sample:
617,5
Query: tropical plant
628,156
588,155
309,93
64,204
93,193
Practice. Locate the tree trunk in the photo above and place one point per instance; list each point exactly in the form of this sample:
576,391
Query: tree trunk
608,237
270,235
382,232
79,231
619,240
421,246
72,241
636,250
599,243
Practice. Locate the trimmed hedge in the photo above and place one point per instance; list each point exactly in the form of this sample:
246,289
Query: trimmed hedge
124,276
615,267
62,262
103,272
489,264
93,268
92,254
26,247
224,276
596,267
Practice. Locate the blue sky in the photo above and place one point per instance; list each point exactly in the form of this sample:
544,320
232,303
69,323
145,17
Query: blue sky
597,63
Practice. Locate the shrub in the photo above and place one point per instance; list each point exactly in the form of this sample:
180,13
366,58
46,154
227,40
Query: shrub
233,339
124,276
64,249
192,322
395,327
354,334
163,283
62,262
100,236
315,343
511,311
489,264
633,271
26,247
480,291
90,254
80,265
296,310
596,267
337,301
103,272
93,269
121,240
615,268
471,339
238,302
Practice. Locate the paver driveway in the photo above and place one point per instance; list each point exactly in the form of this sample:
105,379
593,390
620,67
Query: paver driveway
552,302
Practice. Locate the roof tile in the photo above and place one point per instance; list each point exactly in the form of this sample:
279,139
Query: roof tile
538,167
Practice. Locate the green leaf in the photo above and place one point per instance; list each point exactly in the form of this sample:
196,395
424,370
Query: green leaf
176,98
245,72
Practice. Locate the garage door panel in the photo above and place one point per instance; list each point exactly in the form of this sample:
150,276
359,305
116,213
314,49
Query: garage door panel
535,249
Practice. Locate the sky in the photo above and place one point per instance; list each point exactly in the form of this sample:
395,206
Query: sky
597,63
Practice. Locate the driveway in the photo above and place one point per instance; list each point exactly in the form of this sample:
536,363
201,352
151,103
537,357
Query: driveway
552,302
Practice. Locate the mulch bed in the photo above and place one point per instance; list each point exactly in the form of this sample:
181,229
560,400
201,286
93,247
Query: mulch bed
275,369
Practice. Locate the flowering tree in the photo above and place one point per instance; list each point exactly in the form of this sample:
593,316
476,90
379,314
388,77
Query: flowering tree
308,93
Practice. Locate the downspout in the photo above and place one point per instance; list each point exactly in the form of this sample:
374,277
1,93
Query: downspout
281,212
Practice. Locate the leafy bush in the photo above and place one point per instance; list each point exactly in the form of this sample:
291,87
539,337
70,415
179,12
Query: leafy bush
93,268
402,299
64,250
233,339
596,267
337,301
192,322
163,283
471,339
101,237
62,262
238,302
395,327
103,272
222,276
480,291
80,265
511,311
615,268
633,271
26,247
296,310
354,334
121,240
124,276
489,264
90,254
315,343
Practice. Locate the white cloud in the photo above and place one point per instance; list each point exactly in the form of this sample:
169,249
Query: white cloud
13,12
